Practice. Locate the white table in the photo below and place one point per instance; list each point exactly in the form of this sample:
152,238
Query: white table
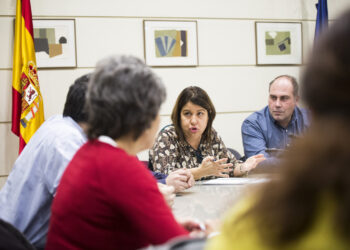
204,202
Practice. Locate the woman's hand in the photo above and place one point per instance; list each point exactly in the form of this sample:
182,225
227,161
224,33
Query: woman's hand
199,229
180,179
210,167
168,193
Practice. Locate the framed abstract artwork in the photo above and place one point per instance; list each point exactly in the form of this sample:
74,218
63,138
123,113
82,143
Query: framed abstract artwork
54,42
278,43
170,43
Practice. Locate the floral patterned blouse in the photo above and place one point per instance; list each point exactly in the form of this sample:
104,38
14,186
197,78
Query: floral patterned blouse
169,154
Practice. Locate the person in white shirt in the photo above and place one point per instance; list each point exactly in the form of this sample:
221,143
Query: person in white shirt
25,199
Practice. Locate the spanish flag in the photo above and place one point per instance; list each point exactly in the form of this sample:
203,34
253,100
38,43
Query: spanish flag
27,102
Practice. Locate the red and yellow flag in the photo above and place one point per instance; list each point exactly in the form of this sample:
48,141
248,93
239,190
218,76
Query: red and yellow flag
27,102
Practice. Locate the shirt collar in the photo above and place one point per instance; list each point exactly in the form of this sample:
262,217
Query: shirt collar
294,117
292,120
76,125
201,148
108,140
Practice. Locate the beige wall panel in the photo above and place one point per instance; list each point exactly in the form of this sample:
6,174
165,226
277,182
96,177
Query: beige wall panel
111,42
5,95
335,8
278,9
308,38
2,181
230,88
164,120
270,9
98,38
143,156
226,42
220,42
8,148
6,41
7,7
54,85
161,8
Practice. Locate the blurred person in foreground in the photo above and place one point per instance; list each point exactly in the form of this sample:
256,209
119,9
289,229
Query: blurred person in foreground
107,199
191,142
308,208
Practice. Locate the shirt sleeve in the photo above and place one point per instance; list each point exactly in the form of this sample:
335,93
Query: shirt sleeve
161,178
254,143
253,140
164,153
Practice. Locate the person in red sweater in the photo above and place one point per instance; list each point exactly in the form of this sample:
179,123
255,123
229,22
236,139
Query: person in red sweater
106,198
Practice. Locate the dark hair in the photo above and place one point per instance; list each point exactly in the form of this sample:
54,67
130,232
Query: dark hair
315,171
75,100
124,97
197,96
293,81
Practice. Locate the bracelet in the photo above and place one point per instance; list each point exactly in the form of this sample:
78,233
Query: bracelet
243,171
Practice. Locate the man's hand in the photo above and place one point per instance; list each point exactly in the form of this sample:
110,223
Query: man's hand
253,161
168,193
248,165
180,179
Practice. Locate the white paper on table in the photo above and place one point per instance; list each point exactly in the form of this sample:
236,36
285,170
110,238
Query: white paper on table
234,181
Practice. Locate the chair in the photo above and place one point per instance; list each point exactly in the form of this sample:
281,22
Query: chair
11,238
148,164
235,153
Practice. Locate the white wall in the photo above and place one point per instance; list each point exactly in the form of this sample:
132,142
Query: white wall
226,46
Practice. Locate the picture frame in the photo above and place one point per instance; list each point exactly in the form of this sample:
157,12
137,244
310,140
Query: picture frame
170,43
278,43
54,42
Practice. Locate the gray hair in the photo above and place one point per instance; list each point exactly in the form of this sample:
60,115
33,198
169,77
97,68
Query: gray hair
293,81
123,98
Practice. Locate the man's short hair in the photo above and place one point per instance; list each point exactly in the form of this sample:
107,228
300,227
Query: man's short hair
75,101
293,81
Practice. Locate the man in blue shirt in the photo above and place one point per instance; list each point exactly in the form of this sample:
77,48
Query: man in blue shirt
274,125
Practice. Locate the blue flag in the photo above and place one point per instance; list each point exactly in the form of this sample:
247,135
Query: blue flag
322,18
